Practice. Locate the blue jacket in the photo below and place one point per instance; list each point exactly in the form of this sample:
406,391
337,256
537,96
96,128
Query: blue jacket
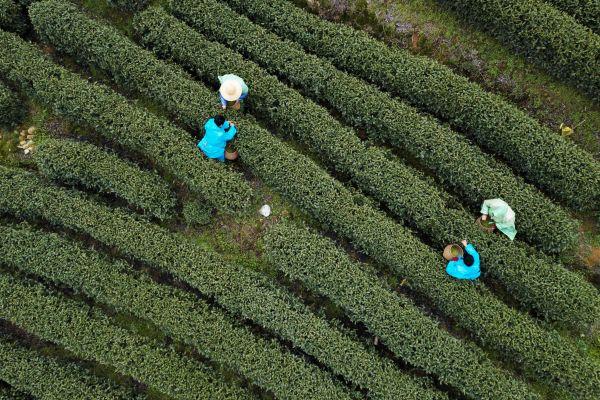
215,138
459,270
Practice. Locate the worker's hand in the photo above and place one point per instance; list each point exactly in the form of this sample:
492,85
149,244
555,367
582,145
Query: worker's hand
464,242
483,217
223,107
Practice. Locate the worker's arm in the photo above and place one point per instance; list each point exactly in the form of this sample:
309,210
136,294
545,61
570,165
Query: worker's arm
471,250
230,131
485,207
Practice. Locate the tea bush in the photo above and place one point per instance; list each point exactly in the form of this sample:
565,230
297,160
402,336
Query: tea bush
88,334
11,107
180,315
586,12
245,293
196,213
464,168
11,17
170,149
47,378
83,163
549,288
555,164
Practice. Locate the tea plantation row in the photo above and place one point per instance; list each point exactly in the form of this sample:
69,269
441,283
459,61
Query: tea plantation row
84,164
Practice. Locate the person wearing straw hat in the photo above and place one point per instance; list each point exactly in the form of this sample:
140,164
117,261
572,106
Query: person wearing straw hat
233,89
467,266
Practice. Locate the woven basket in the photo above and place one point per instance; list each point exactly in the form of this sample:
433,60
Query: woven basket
448,251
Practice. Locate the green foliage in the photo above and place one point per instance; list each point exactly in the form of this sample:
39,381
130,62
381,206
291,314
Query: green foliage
473,175
402,327
9,393
544,35
171,149
11,107
129,5
11,17
179,314
196,213
543,354
89,334
549,288
243,292
586,12
543,157
83,163
49,379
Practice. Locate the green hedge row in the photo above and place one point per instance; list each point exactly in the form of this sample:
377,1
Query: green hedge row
546,36
242,291
11,17
83,163
90,335
543,354
178,314
110,114
327,270
555,164
460,166
586,12
549,288
49,379
11,107
129,5
196,213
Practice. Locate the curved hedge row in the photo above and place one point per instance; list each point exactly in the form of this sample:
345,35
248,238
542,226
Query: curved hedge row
90,335
327,270
11,107
462,167
586,12
555,164
48,379
544,35
83,163
178,314
11,18
555,292
542,354
243,292
111,115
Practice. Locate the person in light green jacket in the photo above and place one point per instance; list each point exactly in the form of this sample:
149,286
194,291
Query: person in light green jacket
502,215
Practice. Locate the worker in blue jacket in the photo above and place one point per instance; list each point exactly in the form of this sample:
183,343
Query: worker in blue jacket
467,266
217,132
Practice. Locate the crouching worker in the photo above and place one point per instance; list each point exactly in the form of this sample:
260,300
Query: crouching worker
502,215
467,266
233,89
217,132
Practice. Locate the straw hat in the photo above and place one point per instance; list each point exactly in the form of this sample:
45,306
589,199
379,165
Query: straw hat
231,90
